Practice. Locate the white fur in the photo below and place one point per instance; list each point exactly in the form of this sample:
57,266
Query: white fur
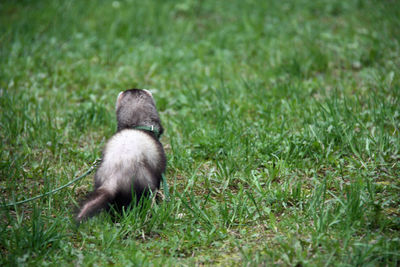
123,159
149,92
118,99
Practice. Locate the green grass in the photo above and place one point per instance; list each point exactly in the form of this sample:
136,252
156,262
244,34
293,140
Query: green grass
282,130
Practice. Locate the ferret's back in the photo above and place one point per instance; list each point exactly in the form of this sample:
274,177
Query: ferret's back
126,155
131,144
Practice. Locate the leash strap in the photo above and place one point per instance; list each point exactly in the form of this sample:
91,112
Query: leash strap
149,129
94,165
89,171
158,135
165,186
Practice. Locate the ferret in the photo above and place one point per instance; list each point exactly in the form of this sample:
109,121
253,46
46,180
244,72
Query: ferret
133,158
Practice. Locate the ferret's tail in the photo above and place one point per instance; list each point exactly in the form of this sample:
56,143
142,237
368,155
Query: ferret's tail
95,202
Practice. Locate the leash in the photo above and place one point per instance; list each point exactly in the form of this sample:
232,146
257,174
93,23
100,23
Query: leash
158,135
90,170
165,186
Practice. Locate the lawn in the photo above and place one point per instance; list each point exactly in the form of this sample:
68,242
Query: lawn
282,130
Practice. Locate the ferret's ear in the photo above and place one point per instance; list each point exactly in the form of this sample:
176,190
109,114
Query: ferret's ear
118,99
147,91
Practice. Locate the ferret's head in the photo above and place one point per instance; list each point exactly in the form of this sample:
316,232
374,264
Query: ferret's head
136,107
